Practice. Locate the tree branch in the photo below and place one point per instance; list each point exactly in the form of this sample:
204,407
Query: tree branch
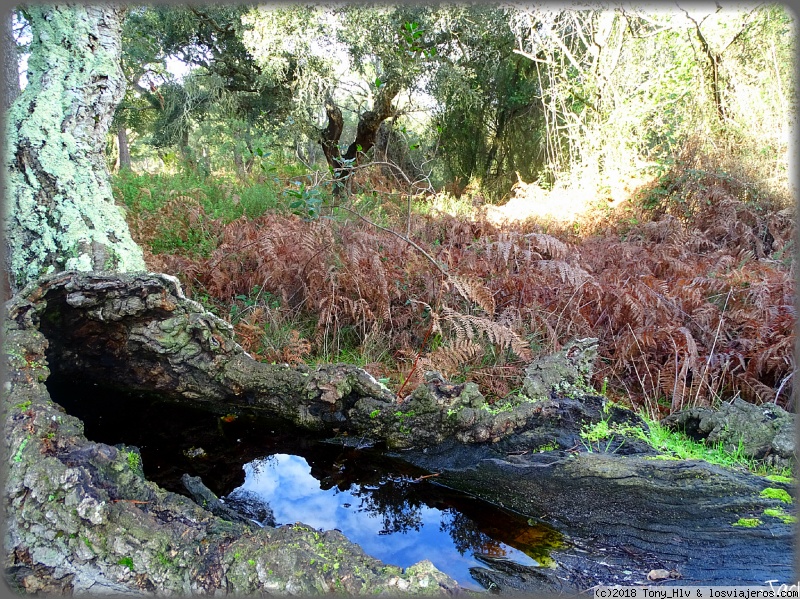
432,260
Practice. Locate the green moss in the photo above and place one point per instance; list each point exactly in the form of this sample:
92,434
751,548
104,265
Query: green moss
133,460
18,454
127,562
498,407
547,447
779,494
747,522
778,512
779,478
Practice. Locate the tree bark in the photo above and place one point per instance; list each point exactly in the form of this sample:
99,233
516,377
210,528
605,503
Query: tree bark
124,148
10,64
11,83
366,131
61,212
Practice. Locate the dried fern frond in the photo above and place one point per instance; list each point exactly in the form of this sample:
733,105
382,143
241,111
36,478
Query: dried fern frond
452,359
549,247
473,290
468,326
574,275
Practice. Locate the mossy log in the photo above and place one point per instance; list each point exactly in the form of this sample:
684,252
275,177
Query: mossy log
138,332
80,515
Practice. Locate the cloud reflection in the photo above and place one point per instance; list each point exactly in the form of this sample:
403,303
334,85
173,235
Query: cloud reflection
414,532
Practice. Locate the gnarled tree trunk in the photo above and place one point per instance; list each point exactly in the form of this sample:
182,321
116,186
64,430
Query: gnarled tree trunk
61,213
366,132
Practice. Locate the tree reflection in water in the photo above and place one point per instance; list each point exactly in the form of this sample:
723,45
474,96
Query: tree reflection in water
397,518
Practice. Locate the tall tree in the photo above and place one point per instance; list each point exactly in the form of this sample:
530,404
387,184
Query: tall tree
61,213
226,85
387,48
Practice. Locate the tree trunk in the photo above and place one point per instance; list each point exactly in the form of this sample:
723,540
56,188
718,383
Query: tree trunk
82,519
138,332
367,130
124,148
11,83
239,163
61,212
10,64
186,152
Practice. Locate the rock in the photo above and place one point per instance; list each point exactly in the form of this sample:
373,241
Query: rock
764,432
661,574
631,514
564,373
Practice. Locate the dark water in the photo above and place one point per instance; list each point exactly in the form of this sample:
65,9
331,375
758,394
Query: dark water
384,505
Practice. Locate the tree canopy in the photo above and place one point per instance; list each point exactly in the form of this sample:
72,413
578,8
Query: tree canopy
482,95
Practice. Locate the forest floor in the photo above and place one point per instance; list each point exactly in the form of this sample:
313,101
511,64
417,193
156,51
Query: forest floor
686,280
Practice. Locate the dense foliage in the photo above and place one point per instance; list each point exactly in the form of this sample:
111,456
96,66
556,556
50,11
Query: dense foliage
689,310
481,95
323,178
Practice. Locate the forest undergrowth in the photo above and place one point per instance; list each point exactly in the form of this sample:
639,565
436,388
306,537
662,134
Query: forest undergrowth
689,286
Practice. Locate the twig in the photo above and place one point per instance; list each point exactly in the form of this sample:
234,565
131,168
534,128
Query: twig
713,345
783,382
433,261
416,360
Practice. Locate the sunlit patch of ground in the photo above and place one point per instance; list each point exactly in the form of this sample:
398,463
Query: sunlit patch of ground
565,204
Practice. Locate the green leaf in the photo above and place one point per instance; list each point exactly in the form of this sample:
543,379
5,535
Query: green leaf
378,82
358,148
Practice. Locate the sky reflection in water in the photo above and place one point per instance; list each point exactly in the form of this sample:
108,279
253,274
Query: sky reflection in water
377,517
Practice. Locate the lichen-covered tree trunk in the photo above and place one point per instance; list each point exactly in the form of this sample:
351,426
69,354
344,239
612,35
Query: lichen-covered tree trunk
60,210
10,64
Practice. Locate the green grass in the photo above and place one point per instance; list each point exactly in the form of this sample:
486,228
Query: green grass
678,445
684,447
147,199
